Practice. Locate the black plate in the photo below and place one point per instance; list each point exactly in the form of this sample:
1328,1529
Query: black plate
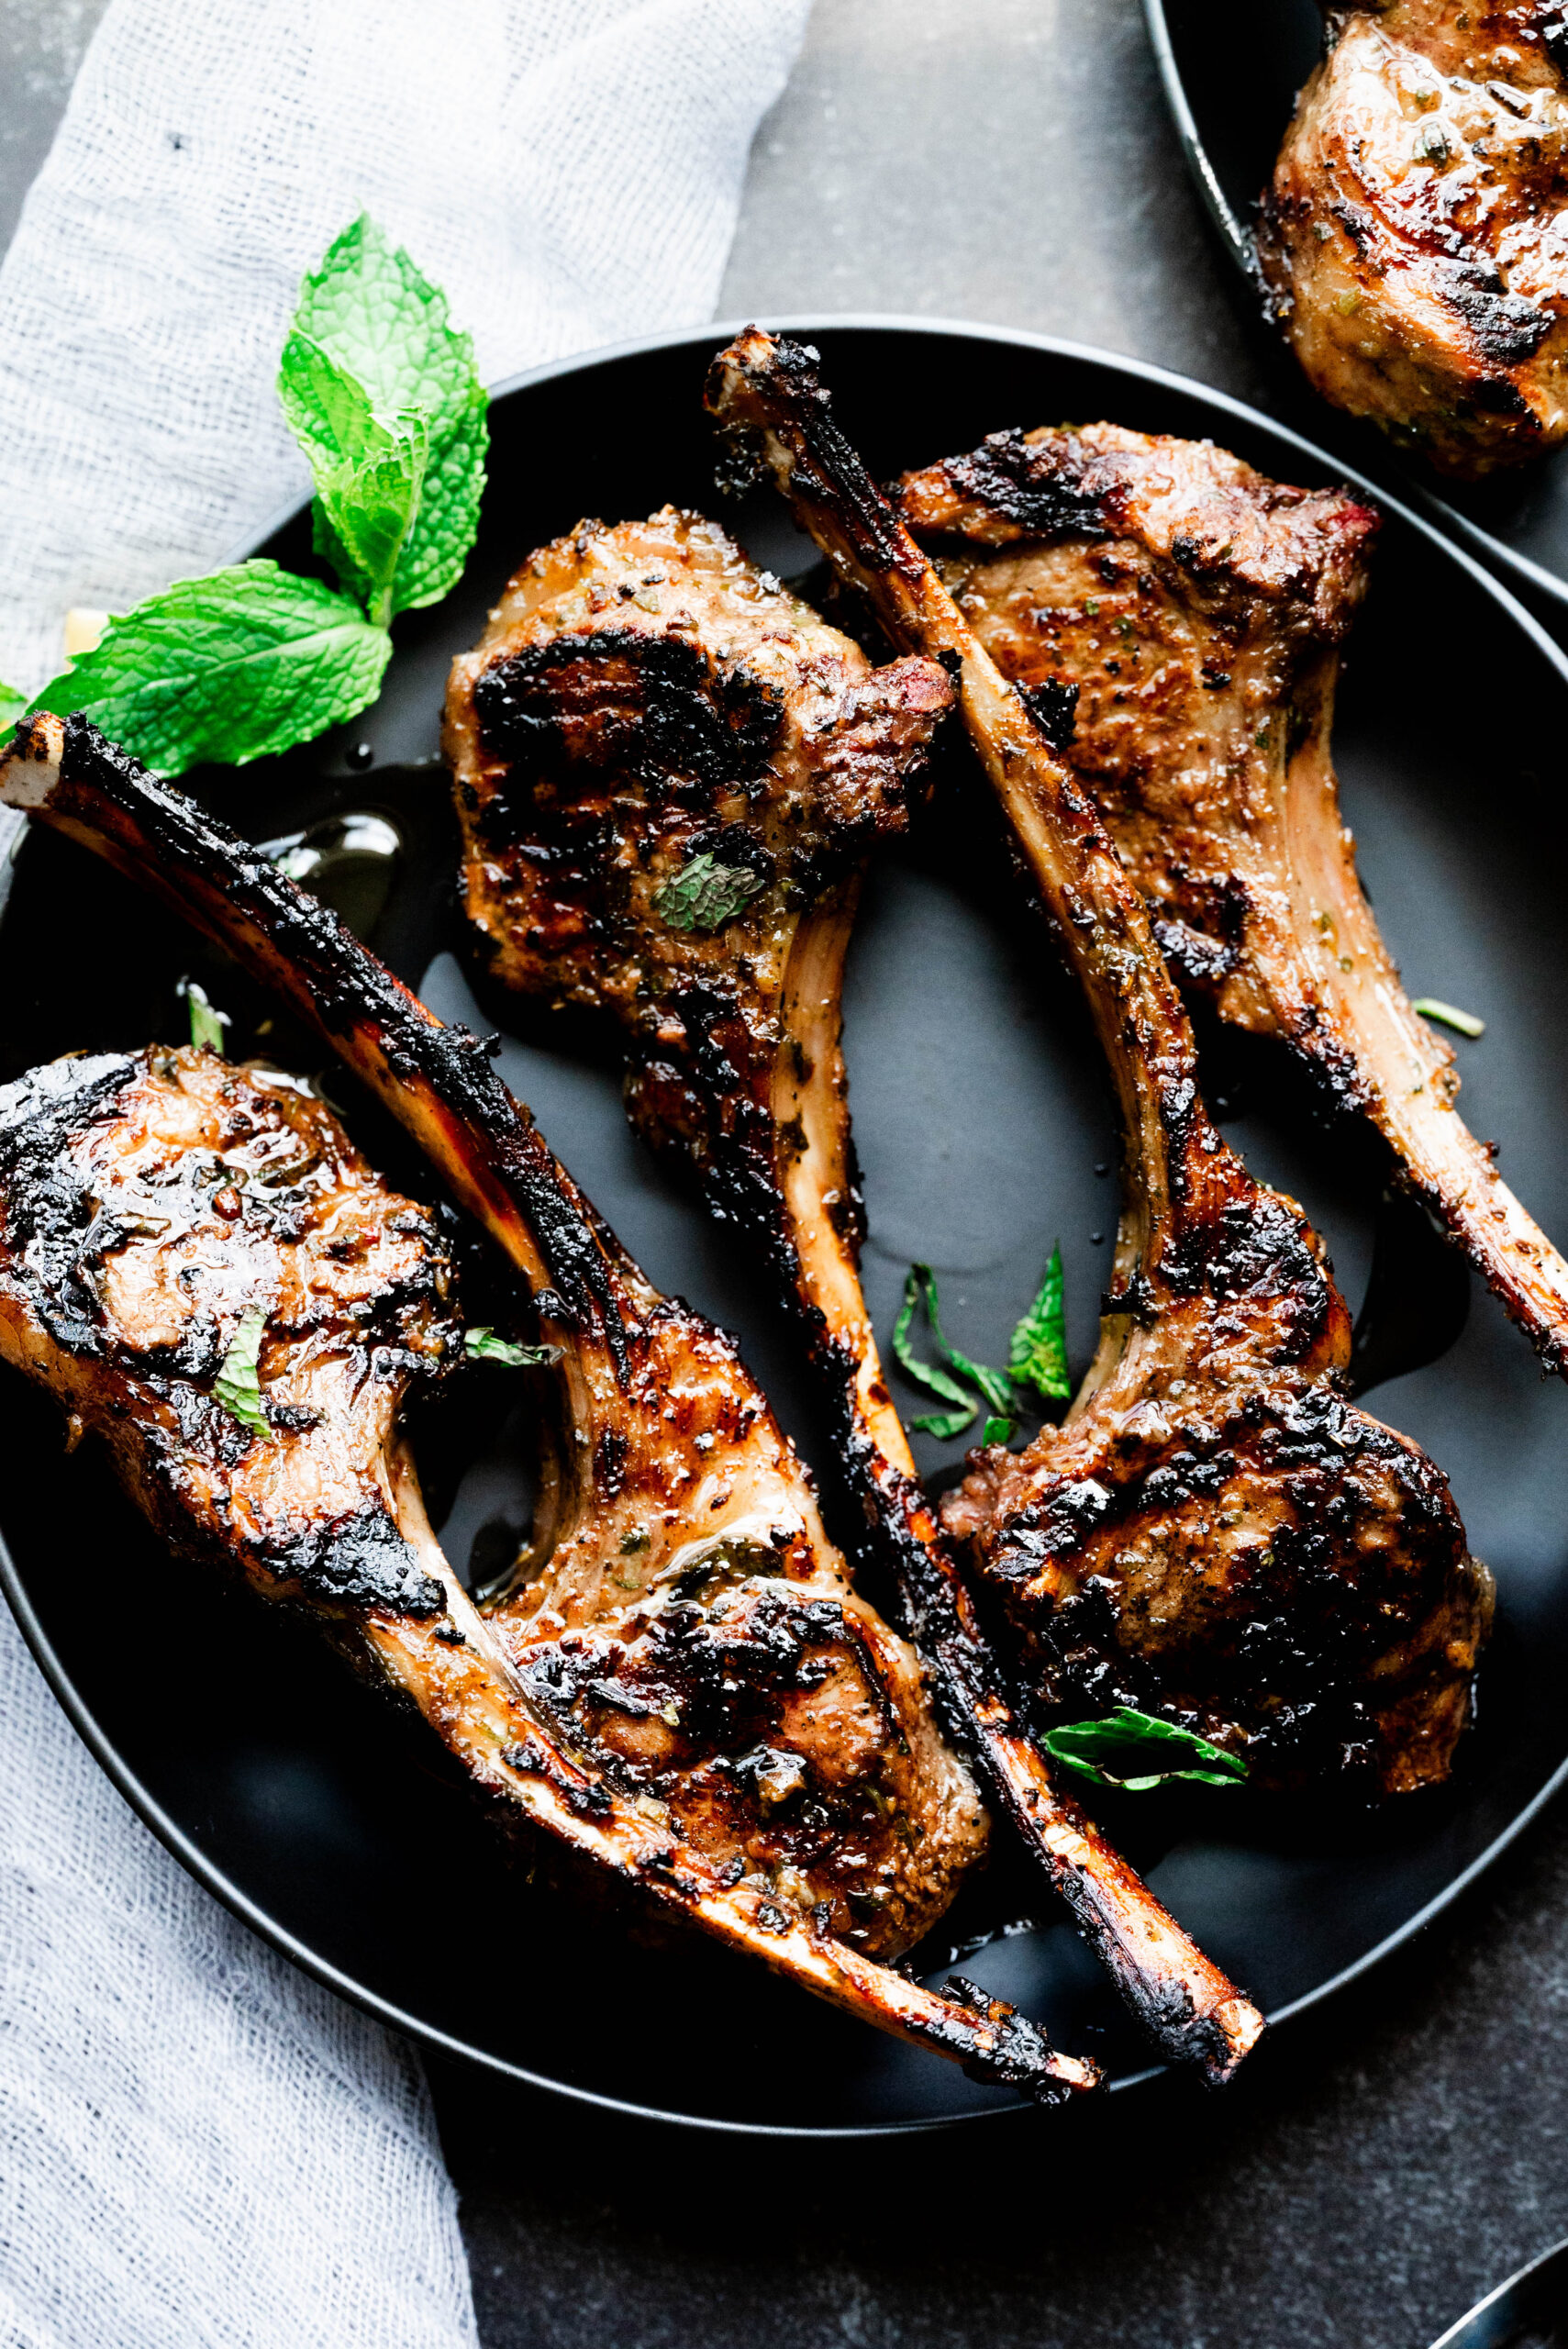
1529,2311
982,1122
1231,70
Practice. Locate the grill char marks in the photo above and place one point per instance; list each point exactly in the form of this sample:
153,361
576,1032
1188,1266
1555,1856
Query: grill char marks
577,821
682,1688
1212,1419
1202,644
581,798
644,699
150,1203
1411,241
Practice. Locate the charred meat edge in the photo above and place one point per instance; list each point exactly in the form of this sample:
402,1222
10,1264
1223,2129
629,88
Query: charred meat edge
1269,579
591,1299
1197,1236
766,393
784,1171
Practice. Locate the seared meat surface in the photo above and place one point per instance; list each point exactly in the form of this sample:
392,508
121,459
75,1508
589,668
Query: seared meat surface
643,698
1413,240
681,1685
150,1202
645,704
1215,1533
1195,610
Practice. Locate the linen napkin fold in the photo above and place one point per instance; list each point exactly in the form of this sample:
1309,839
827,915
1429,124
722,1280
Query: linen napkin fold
197,2144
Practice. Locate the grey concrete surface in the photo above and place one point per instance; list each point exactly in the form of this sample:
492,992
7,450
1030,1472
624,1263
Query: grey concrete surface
42,44
1010,161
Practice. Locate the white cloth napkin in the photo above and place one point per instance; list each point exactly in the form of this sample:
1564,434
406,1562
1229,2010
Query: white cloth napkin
197,2145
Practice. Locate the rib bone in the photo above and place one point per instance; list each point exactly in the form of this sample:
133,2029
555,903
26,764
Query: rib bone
1196,611
1215,1533
643,698
682,1570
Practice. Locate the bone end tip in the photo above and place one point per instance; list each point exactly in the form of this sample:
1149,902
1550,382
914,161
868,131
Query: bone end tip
1232,2030
30,768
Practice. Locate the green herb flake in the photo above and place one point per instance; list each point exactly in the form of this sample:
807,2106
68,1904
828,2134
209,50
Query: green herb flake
238,1386
383,393
12,704
996,1430
232,667
482,1344
704,894
1038,1356
1137,1752
206,1024
1464,1022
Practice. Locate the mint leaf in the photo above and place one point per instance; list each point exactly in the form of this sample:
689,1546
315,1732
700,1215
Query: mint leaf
12,704
369,469
383,327
238,1386
231,667
1137,1752
1038,1356
482,1344
207,1025
1465,1022
991,1384
705,896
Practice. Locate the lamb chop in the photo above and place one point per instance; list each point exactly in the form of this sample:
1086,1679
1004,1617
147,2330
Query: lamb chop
1215,1533
1413,242
681,1687
1190,613
667,774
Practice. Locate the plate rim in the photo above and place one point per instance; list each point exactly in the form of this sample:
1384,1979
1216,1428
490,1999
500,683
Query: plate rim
215,1879
1238,242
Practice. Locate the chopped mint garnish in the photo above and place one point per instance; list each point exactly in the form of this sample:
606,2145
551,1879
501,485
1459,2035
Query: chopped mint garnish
990,1385
207,1025
238,1386
1038,1356
1135,1752
1465,1022
483,1345
704,894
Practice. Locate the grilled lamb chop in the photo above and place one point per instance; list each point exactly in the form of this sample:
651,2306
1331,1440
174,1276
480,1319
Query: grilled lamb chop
1215,1533
1187,614
1413,240
682,1687
643,698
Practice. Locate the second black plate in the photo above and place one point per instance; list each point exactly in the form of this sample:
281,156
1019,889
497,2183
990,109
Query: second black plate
985,1133
1231,70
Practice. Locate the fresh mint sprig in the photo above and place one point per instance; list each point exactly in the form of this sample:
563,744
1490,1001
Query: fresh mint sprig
383,394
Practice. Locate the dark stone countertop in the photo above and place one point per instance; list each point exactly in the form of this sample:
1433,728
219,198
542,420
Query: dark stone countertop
1381,2165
